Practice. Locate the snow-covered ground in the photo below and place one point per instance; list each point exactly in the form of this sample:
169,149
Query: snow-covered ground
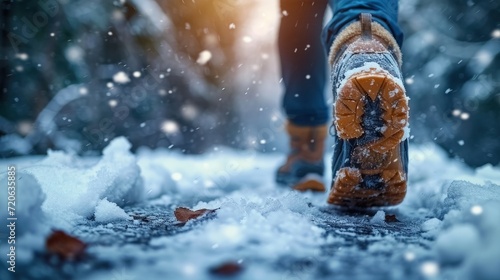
122,205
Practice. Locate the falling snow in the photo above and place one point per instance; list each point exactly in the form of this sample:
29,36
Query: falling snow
204,57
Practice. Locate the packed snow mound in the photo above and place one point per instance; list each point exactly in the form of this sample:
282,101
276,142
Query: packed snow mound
115,177
27,206
456,243
155,171
467,230
246,218
74,186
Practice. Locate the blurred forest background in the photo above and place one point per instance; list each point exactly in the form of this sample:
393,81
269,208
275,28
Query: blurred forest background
191,75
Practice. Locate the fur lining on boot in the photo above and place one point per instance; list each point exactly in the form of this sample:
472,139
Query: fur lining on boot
354,29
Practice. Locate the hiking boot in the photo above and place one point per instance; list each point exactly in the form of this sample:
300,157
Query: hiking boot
304,166
370,161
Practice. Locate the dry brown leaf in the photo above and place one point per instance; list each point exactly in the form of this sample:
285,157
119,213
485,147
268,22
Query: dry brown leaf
227,269
391,219
65,246
183,214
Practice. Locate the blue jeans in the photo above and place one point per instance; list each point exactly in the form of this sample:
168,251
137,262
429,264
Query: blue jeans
303,47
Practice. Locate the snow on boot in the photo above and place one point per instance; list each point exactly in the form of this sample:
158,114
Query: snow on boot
370,161
304,167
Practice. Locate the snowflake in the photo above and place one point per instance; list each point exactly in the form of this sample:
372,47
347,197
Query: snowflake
122,274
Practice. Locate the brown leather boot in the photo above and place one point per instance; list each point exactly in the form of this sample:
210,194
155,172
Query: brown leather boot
304,166
370,161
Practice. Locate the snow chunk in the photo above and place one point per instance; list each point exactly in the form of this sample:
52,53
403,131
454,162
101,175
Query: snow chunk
29,200
252,219
432,225
157,178
106,212
378,218
489,173
406,132
464,195
453,245
16,143
117,177
73,186
471,238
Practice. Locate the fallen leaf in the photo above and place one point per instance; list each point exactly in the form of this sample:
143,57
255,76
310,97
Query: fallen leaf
183,214
227,269
391,219
65,246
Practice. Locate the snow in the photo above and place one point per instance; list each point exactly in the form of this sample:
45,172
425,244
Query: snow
72,187
29,200
406,131
204,57
432,225
106,212
121,78
378,218
157,178
448,224
169,127
454,244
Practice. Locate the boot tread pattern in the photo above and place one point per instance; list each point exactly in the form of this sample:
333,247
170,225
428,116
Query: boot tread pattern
371,112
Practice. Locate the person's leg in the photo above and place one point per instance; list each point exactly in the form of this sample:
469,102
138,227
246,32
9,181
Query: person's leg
370,161
303,61
303,68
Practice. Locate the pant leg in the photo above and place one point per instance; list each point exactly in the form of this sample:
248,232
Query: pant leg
303,61
384,12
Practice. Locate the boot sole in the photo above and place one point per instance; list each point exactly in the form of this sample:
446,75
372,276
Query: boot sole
310,182
371,113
